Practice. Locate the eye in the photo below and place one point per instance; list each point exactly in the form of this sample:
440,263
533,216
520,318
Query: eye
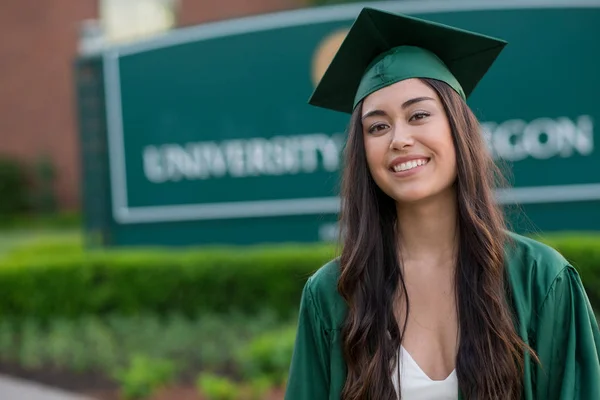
377,127
419,115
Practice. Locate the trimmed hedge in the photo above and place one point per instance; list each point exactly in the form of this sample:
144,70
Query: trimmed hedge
58,278
57,282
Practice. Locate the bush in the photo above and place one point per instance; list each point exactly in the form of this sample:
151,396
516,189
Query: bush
43,198
29,247
58,220
256,389
269,355
144,376
214,387
57,278
69,282
13,186
108,344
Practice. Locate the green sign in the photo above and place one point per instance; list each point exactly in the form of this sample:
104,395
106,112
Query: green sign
210,139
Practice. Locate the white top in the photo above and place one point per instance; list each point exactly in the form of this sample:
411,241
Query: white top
416,385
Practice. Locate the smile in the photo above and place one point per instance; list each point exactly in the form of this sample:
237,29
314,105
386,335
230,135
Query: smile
405,166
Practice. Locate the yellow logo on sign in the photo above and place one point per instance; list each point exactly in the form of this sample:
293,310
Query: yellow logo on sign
325,53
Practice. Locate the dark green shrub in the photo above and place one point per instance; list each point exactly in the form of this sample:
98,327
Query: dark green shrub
72,283
59,220
58,278
13,187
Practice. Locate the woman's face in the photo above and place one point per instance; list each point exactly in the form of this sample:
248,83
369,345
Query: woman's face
408,141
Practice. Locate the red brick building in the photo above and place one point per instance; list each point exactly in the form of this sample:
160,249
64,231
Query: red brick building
37,103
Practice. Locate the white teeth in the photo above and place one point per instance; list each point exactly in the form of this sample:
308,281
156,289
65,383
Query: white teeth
409,165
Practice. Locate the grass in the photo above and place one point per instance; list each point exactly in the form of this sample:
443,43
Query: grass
13,240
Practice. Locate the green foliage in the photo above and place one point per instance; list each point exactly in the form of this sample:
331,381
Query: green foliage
30,247
43,197
13,187
108,344
256,389
58,220
144,353
50,280
32,348
56,277
67,348
81,345
26,188
8,339
269,355
144,375
214,387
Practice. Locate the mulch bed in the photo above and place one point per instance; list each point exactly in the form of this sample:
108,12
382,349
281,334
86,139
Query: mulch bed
173,393
66,380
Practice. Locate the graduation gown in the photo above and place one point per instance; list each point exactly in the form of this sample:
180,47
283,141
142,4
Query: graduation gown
551,307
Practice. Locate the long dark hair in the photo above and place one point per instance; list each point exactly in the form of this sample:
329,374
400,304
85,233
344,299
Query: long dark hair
489,363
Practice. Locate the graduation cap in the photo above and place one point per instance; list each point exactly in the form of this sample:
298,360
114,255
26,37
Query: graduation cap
382,48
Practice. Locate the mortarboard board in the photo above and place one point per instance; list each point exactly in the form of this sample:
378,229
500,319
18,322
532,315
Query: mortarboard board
382,48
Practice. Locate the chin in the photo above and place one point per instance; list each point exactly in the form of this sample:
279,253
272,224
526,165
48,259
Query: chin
420,194
410,200
410,197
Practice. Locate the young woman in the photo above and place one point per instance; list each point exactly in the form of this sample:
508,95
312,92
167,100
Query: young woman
432,298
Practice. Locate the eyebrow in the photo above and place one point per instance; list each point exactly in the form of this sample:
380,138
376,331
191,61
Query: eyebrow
410,102
404,106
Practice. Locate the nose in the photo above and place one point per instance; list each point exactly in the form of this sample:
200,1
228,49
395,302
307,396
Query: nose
401,138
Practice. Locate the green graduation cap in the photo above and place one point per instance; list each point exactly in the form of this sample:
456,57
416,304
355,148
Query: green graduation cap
383,48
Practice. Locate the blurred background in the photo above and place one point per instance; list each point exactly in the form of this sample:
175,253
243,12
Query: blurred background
165,190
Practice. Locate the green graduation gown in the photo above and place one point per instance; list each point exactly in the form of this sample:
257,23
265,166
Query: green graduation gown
552,309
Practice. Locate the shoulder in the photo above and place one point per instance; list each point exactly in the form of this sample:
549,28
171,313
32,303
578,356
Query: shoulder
533,268
328,304
530,253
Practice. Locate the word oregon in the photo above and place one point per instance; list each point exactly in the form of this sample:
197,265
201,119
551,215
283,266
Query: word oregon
281,155
542,138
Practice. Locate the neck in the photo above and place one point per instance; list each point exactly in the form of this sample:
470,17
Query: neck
427,230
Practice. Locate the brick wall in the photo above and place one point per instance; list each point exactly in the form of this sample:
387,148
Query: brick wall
195,11
37,47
